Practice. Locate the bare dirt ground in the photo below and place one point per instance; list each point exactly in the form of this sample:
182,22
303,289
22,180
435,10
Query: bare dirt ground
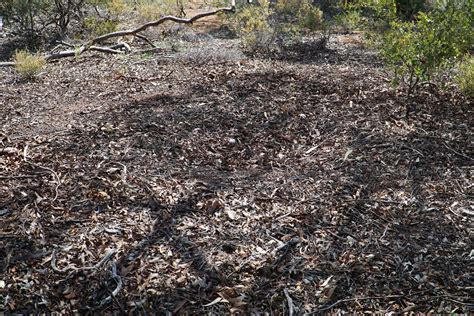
202,181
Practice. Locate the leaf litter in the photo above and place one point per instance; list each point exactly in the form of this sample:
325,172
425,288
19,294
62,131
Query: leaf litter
159,183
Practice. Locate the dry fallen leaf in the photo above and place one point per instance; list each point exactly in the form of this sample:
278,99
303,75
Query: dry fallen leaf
216,301
347,154
232,214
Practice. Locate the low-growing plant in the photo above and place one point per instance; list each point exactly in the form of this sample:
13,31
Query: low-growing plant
251,24
117,7
350,20
372,15
300,13
465,77
419,50
153,9
149,10
310,17
28,65
98,26
268,26
40,21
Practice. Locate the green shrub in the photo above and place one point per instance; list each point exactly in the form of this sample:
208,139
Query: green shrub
97,26
117,7
251,24
28,65
350,20
310,17
408,9
42,21
465,77
22,17
420,49
39,20
154,9
373,15
262,26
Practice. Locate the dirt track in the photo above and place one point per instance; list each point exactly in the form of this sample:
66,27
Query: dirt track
219,183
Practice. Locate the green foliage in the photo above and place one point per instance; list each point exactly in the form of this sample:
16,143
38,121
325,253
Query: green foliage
251,23
310,17
408,9
154,9
37,21
261,26
350,20
300,13
117,7
28,65
373,15
98,26
40,21
465,77
22,15
419,49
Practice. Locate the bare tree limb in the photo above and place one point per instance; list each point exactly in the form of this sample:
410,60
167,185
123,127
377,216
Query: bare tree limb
133,32
7,64
118,281
158,22
144,38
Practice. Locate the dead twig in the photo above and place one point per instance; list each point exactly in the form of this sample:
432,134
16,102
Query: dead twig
95,267
322,309
26,176
7,64
53,173
114,293
457,153
289,301
145,39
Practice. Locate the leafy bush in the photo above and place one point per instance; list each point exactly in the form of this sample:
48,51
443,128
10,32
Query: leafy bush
28,65
374,15
152,9
41,21
350,20
310,17
251,23
98,26
261,27
420,49
465,77
22,16
117,7
408,9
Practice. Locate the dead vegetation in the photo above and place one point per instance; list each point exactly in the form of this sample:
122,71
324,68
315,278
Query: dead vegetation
159,183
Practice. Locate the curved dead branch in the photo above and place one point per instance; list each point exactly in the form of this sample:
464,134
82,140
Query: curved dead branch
70,267
118,281
158,22
115,49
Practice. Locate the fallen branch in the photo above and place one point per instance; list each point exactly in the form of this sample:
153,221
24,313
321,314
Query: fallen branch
7,64
69,267
76,52
144,38
290,302
117,289
158,22
90,46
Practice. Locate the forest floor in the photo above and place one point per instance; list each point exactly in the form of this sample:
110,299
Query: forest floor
198,180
